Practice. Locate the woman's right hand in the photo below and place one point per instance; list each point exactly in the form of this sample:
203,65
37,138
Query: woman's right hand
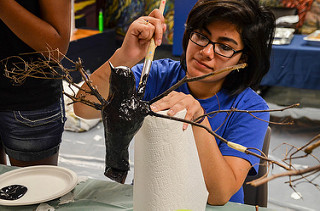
132,51
141,31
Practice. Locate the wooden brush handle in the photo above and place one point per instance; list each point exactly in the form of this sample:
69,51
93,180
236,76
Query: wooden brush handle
152,46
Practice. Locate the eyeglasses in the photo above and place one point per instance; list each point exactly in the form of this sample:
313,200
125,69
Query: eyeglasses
219,48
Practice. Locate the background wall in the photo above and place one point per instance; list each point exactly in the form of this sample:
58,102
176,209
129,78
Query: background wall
119,14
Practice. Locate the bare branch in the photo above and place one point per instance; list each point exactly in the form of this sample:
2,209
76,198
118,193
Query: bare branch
51,68
286,173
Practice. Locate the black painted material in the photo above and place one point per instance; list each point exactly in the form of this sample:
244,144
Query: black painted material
13,192
122,117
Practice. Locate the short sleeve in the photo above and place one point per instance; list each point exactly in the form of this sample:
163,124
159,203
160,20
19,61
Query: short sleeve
247,130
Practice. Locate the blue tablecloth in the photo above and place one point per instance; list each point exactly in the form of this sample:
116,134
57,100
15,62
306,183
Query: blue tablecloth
295,65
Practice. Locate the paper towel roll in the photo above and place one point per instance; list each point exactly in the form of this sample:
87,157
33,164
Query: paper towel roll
167,170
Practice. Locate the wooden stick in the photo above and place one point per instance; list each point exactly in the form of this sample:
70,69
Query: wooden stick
148,59
152,46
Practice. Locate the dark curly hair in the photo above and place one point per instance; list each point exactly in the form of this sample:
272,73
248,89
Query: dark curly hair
255,25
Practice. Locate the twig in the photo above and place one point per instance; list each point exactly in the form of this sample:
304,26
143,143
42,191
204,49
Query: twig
186,79
258,182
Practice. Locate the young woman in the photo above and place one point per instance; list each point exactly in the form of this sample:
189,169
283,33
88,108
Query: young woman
219,33
31,114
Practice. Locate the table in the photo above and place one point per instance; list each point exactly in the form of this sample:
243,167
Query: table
103,195
83,33
296,65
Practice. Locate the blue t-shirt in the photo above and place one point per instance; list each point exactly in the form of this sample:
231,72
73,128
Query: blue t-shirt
237,127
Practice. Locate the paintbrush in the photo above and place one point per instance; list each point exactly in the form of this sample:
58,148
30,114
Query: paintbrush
148,60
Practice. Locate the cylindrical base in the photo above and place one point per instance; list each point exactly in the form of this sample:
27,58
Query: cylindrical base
167,170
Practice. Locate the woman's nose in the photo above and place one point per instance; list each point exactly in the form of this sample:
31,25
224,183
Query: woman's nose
208,51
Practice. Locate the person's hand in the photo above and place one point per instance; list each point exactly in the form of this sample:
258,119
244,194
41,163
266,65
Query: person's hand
177,101
139,34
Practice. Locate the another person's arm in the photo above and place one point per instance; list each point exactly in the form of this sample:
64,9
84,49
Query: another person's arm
49,32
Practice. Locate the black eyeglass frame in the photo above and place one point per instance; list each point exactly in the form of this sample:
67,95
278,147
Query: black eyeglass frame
213,44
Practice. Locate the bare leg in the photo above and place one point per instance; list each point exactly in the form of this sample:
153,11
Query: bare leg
53,160
3,159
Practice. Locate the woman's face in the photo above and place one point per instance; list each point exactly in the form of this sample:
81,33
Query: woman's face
203,60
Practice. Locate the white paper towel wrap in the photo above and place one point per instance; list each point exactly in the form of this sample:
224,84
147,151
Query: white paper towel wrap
167,170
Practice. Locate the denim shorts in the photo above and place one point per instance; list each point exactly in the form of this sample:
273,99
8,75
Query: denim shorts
32,135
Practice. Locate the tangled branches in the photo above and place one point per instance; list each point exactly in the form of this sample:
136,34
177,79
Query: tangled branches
35,69
294,174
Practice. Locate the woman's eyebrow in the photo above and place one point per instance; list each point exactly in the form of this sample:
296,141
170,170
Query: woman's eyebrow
225,39
207,30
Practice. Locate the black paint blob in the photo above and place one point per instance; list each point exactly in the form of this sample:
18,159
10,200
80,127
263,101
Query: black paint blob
13,192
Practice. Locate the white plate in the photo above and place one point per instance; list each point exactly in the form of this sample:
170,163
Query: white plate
44,183
313,38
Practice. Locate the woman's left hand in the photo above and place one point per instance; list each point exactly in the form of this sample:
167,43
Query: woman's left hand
177,101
